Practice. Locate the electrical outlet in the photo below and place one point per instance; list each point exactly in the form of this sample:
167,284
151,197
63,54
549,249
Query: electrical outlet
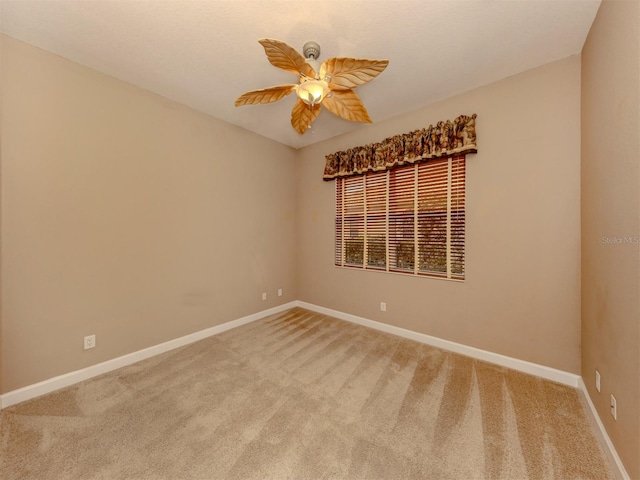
89,342
598,381
264,295
279,292
383,306
614,407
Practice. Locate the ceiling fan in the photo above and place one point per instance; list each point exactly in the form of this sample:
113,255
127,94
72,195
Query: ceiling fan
330,84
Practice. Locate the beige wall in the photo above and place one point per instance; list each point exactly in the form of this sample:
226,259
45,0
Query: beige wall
521,296
611,211
128,216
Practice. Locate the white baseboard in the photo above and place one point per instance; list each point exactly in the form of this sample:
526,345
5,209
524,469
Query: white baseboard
604,436
61,381
548,373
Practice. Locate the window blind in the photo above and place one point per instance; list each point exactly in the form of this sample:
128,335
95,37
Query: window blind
353,234
402,219
376,221
409,219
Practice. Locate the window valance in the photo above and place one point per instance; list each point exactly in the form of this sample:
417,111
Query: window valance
445,139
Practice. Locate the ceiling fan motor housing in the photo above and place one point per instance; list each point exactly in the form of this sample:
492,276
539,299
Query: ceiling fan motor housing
311,50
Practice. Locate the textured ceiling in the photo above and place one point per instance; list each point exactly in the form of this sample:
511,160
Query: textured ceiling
205,53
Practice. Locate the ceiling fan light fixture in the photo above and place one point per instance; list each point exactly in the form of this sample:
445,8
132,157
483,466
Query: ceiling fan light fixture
312,91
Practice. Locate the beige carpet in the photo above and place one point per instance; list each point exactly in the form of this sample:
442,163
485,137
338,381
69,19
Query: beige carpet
303,396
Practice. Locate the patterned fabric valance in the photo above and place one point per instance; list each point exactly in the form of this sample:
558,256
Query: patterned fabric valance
444,140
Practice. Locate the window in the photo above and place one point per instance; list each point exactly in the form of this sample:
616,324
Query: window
408,220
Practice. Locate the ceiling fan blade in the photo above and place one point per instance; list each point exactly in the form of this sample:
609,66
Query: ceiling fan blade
265,95
286,57
303,115
350,72
346,104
